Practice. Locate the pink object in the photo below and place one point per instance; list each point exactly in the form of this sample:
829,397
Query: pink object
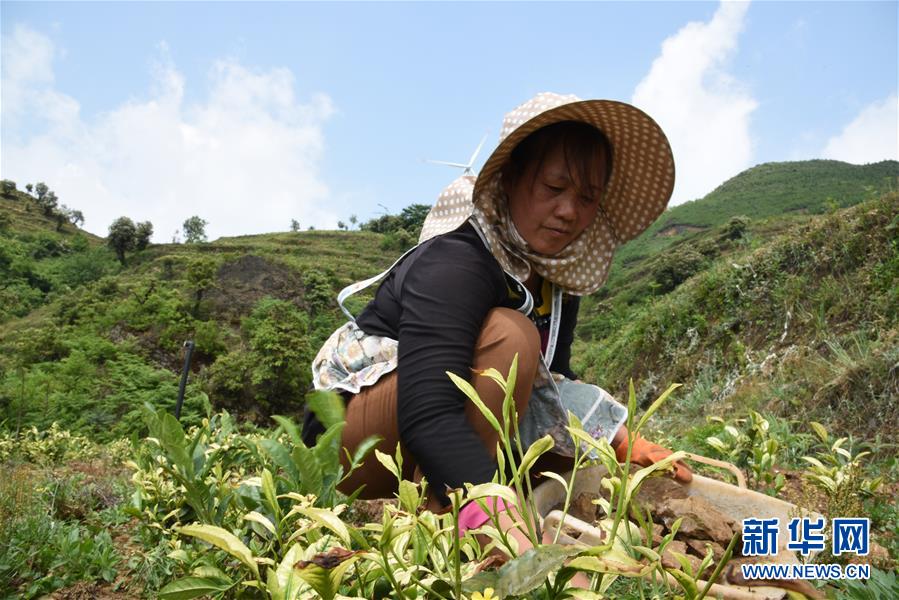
473,516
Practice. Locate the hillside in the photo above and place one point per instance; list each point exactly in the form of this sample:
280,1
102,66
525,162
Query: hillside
767,190
804,320
86,340
87,336
783,328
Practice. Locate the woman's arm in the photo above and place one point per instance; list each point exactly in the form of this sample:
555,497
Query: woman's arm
445,296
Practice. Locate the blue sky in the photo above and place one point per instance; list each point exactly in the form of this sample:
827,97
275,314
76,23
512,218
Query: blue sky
252,114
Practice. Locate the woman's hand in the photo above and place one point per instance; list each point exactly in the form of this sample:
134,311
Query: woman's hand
511,522
646,453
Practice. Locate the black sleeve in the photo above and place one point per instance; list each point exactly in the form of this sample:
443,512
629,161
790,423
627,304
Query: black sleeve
562,357
446,295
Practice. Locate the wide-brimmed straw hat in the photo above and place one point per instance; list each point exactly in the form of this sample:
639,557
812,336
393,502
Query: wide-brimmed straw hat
638,190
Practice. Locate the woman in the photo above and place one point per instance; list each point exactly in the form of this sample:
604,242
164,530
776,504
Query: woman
502,263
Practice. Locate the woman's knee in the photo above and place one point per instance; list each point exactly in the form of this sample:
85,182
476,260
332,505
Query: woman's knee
505,333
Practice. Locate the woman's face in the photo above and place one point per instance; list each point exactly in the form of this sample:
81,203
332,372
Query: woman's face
547,207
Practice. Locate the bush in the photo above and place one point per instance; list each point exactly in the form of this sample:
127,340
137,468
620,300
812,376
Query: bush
674,268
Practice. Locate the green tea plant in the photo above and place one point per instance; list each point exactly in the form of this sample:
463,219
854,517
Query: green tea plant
48,447
837,471
752,448
285,535
185,476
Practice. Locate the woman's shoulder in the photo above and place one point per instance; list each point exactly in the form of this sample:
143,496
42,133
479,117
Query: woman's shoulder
460,250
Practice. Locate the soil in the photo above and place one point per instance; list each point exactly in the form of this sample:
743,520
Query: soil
241,283
88,590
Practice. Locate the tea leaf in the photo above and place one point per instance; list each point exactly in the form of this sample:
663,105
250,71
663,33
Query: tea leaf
193,587
327,519
537,449
224,540
328,407
261,519
472,394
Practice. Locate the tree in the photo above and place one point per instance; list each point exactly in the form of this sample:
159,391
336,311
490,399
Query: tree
8,187
294,225
29,188
413,217
341,225
61,215
201,275
353,220
41,190
48,202
142,235
76,217
122,237
194,230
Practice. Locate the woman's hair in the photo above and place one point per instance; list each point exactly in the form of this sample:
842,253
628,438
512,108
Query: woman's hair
587,151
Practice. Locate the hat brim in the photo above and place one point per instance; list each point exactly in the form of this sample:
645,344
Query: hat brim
642,178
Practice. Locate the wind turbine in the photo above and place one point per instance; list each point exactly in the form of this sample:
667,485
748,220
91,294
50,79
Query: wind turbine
466,168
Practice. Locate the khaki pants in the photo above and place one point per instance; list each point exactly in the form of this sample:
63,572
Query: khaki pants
373,410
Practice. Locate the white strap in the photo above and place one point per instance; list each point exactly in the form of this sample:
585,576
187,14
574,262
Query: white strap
361,285
554,320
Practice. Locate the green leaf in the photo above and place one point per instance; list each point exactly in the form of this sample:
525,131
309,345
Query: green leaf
327,448
270,493
309,469
389,464
558,478
819,430
488,490
293,432
364,447
281,457
261,519
525,572
537,449
617,563
224,540
285,578
634,484
326,581
472,394
655,405
329,407
194,587
686,582
631,401
408,493
327,519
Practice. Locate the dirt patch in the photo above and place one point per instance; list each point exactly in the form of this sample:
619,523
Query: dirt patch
677,229
88,590
241,283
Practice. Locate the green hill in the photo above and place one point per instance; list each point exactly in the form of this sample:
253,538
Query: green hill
786,312
86,339
803,320
767,190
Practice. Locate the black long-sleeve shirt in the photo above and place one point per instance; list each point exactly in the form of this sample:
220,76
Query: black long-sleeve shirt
434,304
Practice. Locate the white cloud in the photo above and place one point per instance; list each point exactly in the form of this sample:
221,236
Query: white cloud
872,136
704,110
245,159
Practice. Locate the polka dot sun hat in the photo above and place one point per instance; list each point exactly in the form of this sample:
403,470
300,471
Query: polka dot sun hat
638,191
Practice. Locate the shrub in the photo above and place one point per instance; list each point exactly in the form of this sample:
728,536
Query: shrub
675,267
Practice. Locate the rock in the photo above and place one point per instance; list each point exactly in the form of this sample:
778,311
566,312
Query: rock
700,519
700,547
670,562
583,508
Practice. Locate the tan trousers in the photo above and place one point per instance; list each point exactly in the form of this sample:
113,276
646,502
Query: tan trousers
373,410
